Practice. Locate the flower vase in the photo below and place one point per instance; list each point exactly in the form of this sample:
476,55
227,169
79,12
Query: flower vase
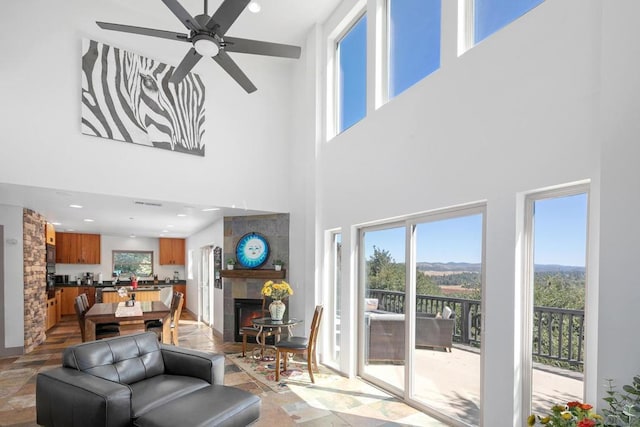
277,308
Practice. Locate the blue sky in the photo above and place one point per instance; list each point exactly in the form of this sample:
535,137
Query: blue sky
560,236
414,25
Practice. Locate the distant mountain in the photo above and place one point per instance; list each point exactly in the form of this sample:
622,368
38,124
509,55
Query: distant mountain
449,266
554,268
476,267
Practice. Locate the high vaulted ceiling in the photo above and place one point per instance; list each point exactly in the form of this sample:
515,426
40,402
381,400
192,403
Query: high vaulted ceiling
279,21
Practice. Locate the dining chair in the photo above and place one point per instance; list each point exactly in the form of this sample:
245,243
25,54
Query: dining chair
301,345
252,331
102,330
176,312
85,307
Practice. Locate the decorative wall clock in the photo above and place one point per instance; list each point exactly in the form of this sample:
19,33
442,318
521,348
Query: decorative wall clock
252,250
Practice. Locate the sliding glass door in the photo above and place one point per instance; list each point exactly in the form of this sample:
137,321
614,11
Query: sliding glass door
383,306
420,310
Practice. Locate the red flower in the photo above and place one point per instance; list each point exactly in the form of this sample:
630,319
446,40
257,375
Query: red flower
585,406
586,423
573,404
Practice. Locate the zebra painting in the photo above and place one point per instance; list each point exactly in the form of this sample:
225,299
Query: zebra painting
128,97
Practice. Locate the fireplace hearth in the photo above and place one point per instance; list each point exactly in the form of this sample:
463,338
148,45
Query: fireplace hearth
246,309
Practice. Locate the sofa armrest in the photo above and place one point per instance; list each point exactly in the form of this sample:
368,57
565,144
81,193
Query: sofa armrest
67,397
193,363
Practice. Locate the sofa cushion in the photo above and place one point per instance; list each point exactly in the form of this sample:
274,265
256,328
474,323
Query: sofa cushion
159,390
215,405
125,359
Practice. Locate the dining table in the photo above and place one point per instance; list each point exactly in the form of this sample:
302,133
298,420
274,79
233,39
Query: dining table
119,312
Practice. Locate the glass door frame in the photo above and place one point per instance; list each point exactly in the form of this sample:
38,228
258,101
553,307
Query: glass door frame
527,251
410,224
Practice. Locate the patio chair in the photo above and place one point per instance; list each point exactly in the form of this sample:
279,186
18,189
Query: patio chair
301,345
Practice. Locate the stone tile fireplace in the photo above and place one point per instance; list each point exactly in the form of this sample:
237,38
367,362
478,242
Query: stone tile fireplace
276,230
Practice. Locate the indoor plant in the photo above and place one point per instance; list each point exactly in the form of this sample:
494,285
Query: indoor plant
277,292
277,264
230,263
573,414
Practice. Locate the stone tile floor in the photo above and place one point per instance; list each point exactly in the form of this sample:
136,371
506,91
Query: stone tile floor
343,402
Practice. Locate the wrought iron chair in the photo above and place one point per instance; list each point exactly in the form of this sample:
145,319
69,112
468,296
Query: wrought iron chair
301,345
252,331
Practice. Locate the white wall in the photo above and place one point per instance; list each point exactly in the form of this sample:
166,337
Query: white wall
517,113
13,321
247,136
619,294
212,235
40,85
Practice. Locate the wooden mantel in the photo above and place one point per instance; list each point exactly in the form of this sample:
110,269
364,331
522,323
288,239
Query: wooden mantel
253,274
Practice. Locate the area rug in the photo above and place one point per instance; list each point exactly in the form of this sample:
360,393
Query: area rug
295,375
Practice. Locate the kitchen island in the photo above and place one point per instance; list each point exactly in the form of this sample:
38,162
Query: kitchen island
142,293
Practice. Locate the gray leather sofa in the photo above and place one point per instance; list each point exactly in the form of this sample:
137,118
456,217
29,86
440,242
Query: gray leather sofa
133,380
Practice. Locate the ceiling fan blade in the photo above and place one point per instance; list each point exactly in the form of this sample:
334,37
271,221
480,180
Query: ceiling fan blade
183,15
143,31
234,71
188,62
234,44
226,15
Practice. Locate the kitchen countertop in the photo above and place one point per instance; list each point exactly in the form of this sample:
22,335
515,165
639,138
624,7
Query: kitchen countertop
120,284
130,289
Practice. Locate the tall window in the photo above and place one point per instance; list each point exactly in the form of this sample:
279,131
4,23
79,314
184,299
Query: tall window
414,42
557,286
492,15
352,68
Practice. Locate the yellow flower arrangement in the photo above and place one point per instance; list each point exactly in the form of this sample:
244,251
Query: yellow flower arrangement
276,291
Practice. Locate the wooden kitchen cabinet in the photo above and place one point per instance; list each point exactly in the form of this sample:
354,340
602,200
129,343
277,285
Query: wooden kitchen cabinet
50,234
77,248
171,251
51,313
69,295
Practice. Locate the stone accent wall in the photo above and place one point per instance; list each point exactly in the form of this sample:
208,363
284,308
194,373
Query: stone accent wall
276,230
35,283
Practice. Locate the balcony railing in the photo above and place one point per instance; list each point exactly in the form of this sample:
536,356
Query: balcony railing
557,332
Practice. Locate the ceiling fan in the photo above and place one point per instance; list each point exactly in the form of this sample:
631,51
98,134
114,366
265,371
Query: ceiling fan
207,34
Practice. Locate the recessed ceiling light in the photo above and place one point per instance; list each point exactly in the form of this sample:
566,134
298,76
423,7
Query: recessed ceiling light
182,214
210,209
165,231
88,220
56,223
133,236
169,225
75,206
70,229
254,7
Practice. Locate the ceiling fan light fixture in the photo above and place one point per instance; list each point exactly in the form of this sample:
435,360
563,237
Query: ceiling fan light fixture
254,7
206,47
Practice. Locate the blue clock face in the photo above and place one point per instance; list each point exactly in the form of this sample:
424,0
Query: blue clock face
252,250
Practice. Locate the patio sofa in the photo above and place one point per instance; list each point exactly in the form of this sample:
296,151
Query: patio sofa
384,334
133,380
